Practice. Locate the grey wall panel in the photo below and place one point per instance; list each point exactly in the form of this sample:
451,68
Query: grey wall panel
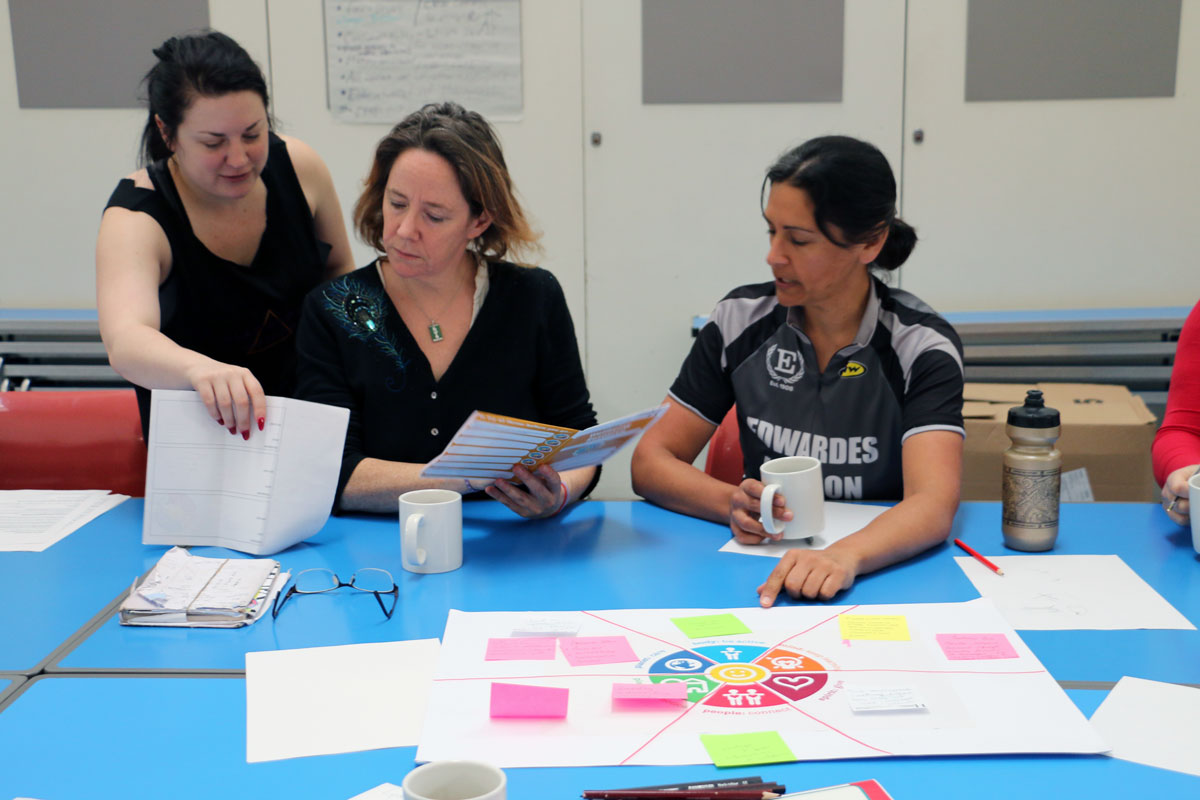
1071,49
748,51
72,54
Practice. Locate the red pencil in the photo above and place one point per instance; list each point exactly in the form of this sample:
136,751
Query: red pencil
979,558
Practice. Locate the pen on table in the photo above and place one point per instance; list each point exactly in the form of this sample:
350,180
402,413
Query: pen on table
978,557
724,783
690,794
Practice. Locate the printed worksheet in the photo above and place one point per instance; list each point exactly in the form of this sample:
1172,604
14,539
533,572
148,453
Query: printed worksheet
488,446
259,496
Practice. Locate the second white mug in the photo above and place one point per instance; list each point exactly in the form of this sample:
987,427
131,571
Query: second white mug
431,530
1194,509
799,479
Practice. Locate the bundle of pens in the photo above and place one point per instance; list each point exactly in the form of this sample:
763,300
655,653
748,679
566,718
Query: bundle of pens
748,788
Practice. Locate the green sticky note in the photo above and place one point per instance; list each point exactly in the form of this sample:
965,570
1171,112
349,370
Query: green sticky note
710,625
744,749
880,627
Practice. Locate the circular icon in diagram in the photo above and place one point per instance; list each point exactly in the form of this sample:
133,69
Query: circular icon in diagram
741,675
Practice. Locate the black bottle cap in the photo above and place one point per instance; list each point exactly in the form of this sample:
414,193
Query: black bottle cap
1034,414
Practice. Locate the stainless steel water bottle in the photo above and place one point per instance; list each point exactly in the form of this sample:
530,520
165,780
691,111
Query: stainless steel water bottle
1032,466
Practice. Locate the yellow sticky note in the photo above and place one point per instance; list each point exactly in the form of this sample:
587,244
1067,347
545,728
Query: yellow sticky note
880,627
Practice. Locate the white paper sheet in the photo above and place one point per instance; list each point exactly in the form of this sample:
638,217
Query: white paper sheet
841,520
323,700
1050,593
790,675
1152,723
33,519
259,496
384,791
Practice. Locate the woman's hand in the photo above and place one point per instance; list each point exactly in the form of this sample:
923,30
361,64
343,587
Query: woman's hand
1175,494
232,395
542,495
812,574
744,519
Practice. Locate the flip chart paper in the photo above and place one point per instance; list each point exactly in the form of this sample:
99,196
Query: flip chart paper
586,651
488,445
649,691
975,646
355,697
1048,592
883,698
708,625
521,648
260,495
552,626
841,520
520,700
744,749
1151,723
878,627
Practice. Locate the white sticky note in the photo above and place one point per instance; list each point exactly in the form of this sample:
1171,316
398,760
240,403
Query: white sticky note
884,698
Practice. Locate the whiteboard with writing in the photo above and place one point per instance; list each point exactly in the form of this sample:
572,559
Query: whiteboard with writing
387,58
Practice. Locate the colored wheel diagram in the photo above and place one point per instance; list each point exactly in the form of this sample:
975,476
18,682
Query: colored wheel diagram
741,676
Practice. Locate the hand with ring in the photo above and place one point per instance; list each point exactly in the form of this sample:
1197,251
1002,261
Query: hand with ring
1175,494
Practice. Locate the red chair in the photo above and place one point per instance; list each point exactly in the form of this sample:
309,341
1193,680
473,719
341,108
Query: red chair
72,440
725,451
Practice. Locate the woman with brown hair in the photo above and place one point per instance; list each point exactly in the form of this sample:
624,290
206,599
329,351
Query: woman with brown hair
441,325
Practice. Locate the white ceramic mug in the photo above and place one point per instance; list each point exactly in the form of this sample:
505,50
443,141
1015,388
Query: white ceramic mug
431,530
799,478
1194,509
455,780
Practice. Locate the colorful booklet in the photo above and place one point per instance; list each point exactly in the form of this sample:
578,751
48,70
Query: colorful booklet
488,446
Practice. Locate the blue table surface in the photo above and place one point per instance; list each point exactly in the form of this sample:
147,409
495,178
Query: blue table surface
48,596
604,555
186,738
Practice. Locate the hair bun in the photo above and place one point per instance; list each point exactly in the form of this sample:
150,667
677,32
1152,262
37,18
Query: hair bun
901,240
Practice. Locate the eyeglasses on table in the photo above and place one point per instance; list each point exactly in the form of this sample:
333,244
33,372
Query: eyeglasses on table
319,580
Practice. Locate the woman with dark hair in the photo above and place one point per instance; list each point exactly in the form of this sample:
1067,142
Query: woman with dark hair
825,361
206,253
441,325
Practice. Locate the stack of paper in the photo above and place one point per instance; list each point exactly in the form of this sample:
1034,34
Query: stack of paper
189,591
33,519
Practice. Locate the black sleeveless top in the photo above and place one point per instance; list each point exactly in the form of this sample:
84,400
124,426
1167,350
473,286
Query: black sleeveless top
233,313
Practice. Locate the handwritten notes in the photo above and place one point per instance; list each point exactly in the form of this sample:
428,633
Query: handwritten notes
875,627
709,625
385,58
744,749
546,625
649,691
587,651
975,646
884,698
521,649
517,700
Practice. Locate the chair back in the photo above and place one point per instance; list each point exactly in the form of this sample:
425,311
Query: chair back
725,451
72,440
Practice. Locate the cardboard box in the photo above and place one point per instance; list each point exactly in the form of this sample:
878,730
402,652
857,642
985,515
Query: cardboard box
1105,430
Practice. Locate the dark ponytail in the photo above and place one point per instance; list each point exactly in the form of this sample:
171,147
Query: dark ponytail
852,188
208,64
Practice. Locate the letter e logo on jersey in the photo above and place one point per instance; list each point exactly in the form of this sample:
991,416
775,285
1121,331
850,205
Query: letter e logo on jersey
784,366
852,369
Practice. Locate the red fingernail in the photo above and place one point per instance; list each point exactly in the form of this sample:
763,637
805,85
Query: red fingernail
261,422
232,430
220,421
246,435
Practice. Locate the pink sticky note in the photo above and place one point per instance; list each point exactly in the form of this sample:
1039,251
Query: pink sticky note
649,691
533,648
520,700
585,651
975,646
